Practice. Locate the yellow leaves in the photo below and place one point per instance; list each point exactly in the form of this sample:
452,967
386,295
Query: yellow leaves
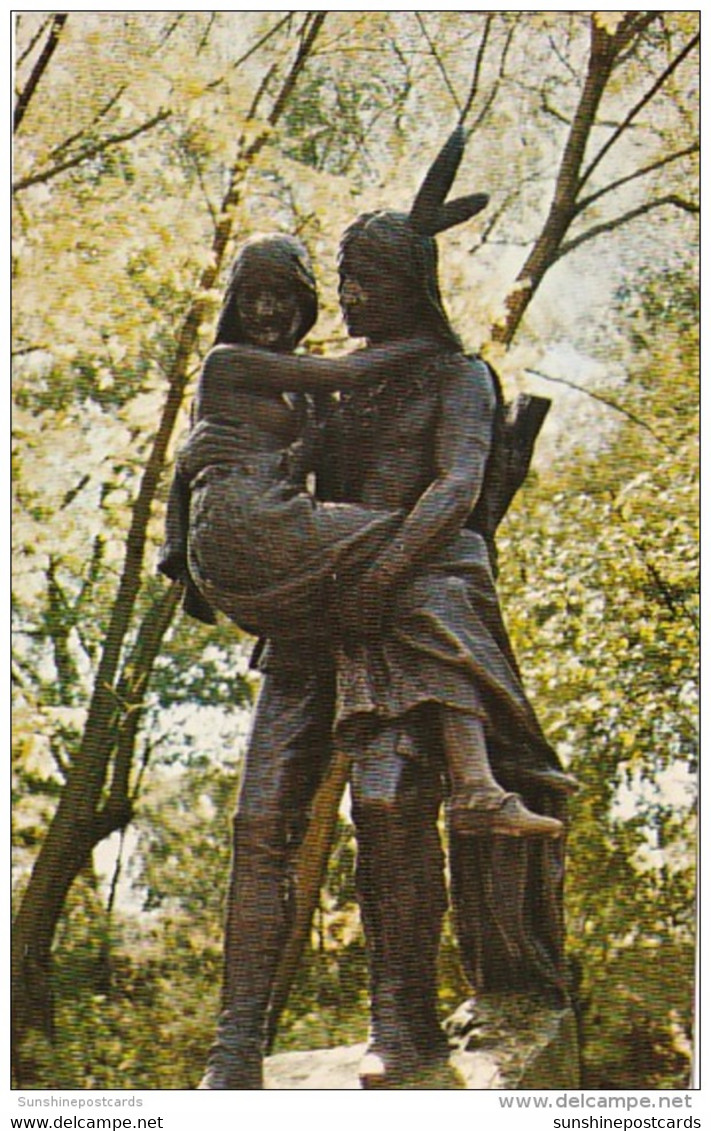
64,461
608,21
148,94
493,353
68,718
30,750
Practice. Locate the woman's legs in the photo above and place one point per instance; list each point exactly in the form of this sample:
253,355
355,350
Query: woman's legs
477,804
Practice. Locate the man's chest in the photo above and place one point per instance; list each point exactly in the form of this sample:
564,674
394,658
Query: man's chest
385,440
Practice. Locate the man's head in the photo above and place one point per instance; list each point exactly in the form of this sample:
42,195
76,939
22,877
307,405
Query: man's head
271,296
388,260
388,280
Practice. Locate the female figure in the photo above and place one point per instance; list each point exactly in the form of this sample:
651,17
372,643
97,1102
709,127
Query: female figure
242,530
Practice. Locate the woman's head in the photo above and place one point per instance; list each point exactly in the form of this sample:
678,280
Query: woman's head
271,295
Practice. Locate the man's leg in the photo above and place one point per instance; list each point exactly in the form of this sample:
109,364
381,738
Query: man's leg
288,753
401,892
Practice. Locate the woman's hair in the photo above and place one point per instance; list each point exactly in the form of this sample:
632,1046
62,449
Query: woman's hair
270,258
388,242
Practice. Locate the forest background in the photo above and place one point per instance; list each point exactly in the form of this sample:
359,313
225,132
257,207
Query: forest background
147,146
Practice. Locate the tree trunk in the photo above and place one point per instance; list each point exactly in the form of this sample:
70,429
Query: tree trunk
563,209
25,96
81,821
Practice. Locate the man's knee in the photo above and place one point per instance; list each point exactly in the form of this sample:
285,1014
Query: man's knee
388,773
288,750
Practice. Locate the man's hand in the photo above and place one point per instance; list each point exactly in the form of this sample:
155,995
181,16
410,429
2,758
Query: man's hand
209,442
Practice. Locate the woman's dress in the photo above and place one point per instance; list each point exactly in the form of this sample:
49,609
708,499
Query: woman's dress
258,546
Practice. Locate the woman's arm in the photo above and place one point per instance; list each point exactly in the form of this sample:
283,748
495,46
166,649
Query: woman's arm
251,368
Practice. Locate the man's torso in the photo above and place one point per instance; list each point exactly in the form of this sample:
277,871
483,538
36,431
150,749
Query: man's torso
378,442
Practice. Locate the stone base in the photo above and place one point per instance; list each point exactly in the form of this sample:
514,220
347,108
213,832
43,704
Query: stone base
504,1041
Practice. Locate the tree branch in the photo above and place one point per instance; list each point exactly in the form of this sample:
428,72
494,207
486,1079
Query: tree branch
603,400
31,45
264,39
22,350
564,62
315,20
548,108
491,97
586,201
439,64
672,199
260,91
631,27
255,47
171,27
91,151
39,68
567,182
59,624
474,87
68,141
647,97
206,34
131,689
675,605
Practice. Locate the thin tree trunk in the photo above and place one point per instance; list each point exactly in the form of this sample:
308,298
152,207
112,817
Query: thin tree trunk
25,96
563,206
311,866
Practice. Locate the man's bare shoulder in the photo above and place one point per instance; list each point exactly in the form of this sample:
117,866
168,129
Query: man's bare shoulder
466,374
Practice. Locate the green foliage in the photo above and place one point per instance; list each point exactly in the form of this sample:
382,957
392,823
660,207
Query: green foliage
145,1021
328,1004
183,828
601,588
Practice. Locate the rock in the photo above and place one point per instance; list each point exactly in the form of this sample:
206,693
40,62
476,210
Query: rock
504,1041
533,1045
318,1069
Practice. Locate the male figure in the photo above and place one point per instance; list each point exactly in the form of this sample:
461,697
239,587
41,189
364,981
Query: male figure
440,671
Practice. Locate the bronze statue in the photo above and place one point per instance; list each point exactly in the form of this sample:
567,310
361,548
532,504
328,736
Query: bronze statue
411,443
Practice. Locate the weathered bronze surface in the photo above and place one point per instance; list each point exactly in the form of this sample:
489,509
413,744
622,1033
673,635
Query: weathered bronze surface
385,635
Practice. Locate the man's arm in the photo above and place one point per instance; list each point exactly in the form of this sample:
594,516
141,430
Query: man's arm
461,448
230,367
